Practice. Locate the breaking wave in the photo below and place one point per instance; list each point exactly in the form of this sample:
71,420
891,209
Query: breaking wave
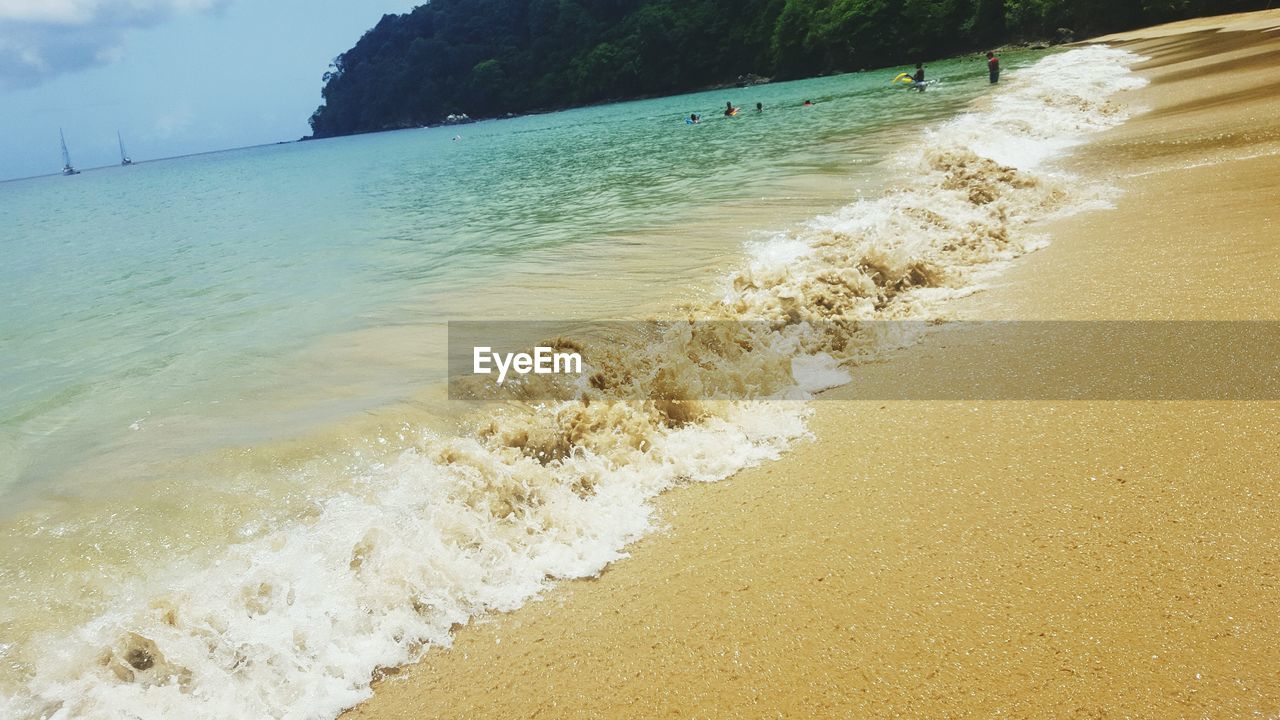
298,623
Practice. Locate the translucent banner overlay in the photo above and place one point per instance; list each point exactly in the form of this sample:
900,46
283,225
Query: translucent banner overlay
908,360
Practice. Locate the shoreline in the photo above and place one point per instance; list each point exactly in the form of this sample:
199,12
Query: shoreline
971,558
234,574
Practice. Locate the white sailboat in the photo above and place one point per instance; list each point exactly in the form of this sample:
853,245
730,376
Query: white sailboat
125,160
67,167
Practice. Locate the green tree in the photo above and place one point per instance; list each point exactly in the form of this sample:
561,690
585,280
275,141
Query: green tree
490,57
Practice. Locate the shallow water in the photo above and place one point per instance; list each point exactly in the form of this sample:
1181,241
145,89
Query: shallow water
204,360
184,286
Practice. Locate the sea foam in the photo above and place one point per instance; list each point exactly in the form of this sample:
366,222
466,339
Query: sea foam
297,622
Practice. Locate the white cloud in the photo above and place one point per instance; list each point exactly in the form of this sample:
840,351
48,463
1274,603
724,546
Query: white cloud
40,39
82,12
46,11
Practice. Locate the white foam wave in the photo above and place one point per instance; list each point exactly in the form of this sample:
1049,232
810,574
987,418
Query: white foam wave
1050,107
292,625
963,206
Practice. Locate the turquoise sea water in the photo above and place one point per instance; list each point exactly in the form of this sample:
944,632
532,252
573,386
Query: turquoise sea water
129,292
191,349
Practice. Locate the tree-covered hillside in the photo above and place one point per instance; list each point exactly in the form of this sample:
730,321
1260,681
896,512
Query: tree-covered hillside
491,57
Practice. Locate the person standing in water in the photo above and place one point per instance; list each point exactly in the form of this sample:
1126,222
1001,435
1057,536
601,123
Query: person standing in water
993,67
759,107
918,78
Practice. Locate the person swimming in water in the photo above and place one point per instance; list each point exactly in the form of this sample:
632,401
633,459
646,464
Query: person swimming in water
759,107
730,110
693,119
808,103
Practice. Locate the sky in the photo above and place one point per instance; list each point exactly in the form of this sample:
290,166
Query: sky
174,77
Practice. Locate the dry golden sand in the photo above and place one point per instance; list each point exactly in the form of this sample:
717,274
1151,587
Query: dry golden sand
949,559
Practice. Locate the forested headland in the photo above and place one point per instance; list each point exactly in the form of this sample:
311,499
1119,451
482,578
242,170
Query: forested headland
487,58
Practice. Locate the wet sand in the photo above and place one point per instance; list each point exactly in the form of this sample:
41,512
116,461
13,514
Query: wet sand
956,559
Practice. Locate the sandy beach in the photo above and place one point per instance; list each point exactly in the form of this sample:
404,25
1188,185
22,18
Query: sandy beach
974,559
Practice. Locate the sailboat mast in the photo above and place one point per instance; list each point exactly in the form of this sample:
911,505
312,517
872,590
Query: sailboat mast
67,169
66,156
125,160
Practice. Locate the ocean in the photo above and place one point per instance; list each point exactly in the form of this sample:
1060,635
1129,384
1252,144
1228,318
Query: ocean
232,482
